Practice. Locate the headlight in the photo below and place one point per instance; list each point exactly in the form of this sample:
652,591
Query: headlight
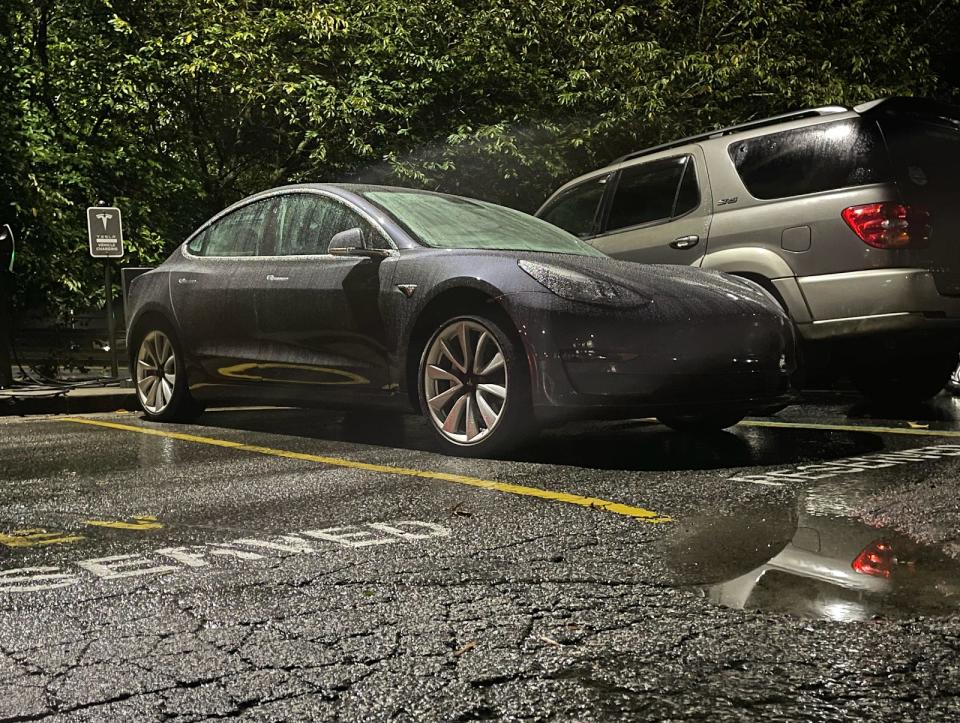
575,286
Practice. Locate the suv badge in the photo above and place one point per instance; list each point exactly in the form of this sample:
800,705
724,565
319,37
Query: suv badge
728,201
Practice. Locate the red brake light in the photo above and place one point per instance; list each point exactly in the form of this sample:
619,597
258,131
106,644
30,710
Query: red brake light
877,559
888,225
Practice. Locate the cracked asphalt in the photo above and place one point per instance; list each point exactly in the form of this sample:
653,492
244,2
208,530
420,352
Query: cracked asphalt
274,564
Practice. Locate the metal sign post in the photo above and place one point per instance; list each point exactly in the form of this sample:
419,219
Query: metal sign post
105,231
7,246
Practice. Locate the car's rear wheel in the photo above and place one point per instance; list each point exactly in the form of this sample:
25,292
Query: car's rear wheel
704,422
474,386
906,379
160,378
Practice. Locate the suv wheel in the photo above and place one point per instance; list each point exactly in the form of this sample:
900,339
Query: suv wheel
902,379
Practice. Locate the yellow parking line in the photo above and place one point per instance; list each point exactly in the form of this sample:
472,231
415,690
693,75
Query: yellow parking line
595,502
854,428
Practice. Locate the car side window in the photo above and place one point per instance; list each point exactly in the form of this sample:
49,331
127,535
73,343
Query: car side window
237,234
575,210
308,221
655,191
822,157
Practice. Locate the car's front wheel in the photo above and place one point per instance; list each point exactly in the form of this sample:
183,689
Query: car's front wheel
906,379
474,386
705,422
160,378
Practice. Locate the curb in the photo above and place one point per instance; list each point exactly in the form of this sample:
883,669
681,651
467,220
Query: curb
69,403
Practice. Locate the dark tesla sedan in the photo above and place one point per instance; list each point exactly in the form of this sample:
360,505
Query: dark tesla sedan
490,321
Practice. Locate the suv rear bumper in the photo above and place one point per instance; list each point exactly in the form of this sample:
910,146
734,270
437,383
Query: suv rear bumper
867,302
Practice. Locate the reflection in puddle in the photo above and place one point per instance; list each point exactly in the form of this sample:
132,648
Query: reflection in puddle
813,564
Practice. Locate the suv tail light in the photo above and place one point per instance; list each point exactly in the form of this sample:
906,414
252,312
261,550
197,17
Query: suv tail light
888,225
876,559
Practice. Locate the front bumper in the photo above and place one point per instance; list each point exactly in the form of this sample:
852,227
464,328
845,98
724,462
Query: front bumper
861,303
604,363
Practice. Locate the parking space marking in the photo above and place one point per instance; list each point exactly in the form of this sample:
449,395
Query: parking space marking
37,537
852,428
851,465
178,559
638,513
142,522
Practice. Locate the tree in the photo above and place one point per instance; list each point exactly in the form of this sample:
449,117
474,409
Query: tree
173,109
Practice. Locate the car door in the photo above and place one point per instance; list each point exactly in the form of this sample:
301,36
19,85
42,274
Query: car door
321,316
657,211
214,292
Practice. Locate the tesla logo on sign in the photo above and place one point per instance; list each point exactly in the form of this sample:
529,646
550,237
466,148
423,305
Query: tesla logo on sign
106,232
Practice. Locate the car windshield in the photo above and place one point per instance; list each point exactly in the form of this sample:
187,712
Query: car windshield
451,222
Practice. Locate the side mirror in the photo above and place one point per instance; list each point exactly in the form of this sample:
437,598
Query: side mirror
351,243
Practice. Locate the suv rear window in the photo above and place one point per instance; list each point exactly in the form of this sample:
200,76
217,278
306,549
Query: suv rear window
925,151
821,157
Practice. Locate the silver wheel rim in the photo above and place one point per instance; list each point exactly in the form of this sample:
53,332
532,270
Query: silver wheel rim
465,381
156,372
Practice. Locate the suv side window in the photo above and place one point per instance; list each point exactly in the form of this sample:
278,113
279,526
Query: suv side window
575,210
308,221
656,191
237,234
822,157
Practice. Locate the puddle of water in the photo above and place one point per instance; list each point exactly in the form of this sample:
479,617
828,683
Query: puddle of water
810,563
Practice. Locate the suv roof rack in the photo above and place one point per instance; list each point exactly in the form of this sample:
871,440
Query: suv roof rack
750,125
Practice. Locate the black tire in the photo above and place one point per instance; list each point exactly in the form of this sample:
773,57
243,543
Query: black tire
180,406
705,422
905,380
514,417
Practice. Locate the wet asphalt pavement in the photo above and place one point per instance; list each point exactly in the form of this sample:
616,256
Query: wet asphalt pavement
284,564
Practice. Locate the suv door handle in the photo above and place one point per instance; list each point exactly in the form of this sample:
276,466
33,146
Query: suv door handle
685,242
184,280
271,277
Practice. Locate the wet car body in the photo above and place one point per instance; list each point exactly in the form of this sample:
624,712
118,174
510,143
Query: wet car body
350,331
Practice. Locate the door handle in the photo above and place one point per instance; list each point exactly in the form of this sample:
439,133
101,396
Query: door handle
685,242
271,277
184,280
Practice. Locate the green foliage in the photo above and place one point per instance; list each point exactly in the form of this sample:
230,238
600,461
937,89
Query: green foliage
174,108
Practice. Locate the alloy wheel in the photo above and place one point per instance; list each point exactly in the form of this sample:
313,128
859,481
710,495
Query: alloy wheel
156,372
465,381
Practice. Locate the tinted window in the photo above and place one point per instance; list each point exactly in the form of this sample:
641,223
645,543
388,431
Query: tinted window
650,192
237,234
308,221
808,160
575,210
925,151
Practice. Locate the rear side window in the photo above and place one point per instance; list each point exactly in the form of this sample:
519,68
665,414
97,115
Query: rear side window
237,234
651,192
822,157
575,210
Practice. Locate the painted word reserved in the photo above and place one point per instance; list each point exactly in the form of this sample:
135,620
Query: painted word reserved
174,559
848,465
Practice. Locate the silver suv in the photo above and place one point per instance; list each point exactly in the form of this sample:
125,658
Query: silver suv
850,217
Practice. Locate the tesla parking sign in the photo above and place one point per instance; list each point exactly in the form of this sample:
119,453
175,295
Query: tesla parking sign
106,232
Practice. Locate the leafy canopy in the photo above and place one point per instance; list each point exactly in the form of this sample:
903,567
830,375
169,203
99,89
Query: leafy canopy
174,108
